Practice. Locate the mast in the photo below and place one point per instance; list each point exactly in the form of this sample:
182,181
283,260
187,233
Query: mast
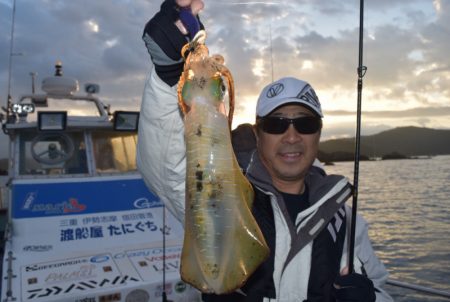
361,72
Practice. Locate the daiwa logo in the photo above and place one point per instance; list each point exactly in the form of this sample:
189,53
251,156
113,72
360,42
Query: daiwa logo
275,90
144,203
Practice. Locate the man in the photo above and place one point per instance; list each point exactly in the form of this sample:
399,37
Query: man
298,208
308,220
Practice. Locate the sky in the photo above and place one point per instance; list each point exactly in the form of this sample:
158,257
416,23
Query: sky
406,51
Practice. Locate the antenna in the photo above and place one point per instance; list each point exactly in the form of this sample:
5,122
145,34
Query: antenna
271,47
33,81
11,48
11,54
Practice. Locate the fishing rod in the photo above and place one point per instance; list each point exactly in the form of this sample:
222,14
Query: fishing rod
164,294
361,72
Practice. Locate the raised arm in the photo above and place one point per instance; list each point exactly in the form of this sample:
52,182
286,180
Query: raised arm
161,155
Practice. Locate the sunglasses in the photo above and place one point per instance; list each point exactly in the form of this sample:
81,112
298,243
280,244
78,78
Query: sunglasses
279,125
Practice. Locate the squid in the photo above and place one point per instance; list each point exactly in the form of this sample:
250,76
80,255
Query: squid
223,244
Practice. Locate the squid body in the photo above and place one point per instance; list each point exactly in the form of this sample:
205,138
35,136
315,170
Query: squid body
223,244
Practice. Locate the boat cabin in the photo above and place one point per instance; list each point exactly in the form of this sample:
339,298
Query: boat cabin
82,226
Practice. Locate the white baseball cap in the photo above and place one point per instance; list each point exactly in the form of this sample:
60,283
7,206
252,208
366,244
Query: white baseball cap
284,91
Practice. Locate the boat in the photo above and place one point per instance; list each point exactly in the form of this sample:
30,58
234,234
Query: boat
81,225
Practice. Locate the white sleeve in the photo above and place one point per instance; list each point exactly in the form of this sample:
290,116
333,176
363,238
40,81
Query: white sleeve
365,258
161,151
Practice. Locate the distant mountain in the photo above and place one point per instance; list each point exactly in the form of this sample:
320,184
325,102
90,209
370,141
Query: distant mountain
408,141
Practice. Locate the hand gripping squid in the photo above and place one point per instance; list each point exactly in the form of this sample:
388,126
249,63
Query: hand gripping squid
223,244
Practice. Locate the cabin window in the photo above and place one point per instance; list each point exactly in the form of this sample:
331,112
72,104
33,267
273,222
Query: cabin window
52,153
114,152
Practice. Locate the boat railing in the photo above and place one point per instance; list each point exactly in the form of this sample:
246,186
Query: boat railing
9,293
418,288
9,261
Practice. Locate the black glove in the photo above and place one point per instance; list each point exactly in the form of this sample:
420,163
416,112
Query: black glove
354,288
190,21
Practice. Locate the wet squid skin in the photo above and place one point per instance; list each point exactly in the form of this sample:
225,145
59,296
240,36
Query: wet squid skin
223,244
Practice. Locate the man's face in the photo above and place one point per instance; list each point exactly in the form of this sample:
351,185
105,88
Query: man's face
289,155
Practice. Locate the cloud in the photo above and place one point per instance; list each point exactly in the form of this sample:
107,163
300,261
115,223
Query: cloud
406,47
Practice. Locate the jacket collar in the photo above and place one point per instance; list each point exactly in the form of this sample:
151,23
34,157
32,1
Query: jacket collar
316,179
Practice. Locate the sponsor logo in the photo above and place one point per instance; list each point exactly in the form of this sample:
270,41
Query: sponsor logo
83,272
167,289
148,253
172,266
275,90
161,258
119,256
180,287
100,259
144,203
72,206
82,286
31,196
110,297
37,248
37,267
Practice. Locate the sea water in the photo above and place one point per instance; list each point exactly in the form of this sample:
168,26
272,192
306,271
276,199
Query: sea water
407,205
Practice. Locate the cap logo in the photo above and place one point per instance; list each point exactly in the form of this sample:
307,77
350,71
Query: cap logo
275,90
309,96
